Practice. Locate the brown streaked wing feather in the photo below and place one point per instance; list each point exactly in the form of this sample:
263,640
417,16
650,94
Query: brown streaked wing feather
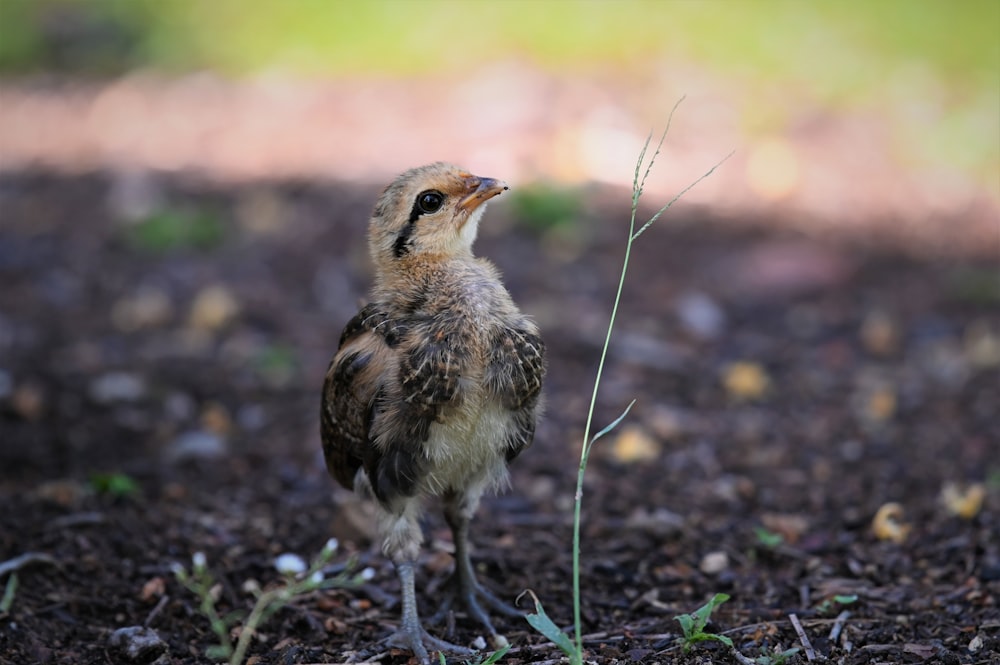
516,367
351,389
515,374
430,370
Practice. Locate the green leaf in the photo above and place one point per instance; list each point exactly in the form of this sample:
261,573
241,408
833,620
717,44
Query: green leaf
218,652
117,485
768,539
693,625
686,622
541,622
8,593
614,423
704,613
495,657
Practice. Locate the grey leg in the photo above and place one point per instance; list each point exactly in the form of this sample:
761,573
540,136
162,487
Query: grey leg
464,585
401,542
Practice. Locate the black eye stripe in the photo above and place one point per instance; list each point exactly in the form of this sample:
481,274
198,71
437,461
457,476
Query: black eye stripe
427,202
401,246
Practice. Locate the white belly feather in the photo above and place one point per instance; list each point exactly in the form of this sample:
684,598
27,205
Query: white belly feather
468,448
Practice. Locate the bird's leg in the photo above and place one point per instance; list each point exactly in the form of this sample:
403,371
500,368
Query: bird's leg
402,543
458,511
411,634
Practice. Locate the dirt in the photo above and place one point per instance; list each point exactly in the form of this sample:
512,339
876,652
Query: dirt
159,397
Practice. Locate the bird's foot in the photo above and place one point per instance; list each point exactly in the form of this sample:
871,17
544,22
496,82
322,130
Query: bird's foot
418,641
473,596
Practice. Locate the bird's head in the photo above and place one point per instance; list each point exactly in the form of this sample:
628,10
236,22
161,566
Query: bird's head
431,210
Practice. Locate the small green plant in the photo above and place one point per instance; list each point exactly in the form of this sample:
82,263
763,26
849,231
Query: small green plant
539,620
115,485
830,604
9,591
167,230
767,539
693,625
298,580
277,364
777,658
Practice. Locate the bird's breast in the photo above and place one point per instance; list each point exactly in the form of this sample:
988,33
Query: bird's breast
467,446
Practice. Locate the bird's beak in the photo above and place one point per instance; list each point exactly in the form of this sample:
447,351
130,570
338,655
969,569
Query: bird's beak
480,191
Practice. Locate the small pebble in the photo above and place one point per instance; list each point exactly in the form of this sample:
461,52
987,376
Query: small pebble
633,444
251,417
28,401
879,333
215,418
179,407
982,346
714,563
669,423
700,315
137,644
147,308
117,387
213,308
196,444
661,522
745,380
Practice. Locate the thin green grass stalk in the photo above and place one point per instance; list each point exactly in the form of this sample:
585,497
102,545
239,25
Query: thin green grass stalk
638,186
539,620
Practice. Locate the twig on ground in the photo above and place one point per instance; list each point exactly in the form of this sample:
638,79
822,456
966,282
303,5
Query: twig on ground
377,658
74,520
839,625
164,599
19,562
803,638
740,658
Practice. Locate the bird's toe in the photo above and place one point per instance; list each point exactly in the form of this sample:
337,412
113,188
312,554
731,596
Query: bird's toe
421,644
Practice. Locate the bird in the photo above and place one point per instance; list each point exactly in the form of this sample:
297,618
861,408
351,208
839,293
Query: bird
436,385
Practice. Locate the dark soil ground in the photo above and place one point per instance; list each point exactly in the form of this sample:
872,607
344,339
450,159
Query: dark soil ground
159,397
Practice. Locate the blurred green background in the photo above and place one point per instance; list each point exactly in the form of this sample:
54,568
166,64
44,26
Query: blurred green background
932,66
784,40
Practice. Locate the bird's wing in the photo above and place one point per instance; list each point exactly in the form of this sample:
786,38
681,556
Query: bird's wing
354,381
384,388
514,374
432,364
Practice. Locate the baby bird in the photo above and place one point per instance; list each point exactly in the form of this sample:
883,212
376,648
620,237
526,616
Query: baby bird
435,386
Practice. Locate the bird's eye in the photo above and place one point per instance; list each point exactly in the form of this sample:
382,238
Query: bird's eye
430,201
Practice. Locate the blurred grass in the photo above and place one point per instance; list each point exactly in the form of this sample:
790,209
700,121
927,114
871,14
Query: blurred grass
167,230
925,63
544,206
829,46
